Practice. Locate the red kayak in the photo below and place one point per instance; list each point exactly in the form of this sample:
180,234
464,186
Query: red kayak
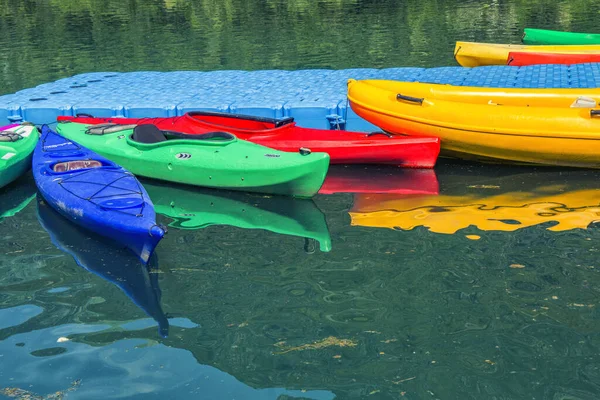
520,59
379,179
343,147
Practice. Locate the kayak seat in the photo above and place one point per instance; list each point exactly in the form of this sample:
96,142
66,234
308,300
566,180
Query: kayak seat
204,136
148,133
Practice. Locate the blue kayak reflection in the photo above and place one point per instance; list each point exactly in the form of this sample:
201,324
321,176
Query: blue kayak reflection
110,261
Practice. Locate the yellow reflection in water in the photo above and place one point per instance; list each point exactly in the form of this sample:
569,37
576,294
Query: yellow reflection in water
501,212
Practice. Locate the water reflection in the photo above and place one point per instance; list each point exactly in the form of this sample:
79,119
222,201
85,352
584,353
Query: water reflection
16,196
478,196
124,369
196,208
379,179
109,261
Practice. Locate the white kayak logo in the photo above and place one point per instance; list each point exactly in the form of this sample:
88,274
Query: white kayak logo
183,156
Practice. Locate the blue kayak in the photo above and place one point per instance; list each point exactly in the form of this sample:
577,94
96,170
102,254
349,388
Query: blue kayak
95,193
108,260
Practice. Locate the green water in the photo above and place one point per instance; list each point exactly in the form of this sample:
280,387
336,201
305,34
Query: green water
487,290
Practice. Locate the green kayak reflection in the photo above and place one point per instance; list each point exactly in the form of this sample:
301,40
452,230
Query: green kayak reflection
16,196
109,261
197,208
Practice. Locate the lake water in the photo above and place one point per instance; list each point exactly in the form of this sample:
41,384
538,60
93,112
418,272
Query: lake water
466,282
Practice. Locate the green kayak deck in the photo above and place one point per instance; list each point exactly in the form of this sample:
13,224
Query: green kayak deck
16,150
216,159
197,208
550,37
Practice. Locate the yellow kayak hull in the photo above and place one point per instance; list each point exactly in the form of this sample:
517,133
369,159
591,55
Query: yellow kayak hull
505,129
492,96
474,54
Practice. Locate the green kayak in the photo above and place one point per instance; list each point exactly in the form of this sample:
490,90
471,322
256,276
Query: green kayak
197,208
548,37
16,149
215,159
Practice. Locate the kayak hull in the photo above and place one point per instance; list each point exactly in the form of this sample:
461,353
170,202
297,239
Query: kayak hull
107,199
227,164
506,133
474,54
343,147
551,37
15,157
519,59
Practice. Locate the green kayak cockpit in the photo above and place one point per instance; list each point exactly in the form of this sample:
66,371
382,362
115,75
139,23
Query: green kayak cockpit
148,134
6,136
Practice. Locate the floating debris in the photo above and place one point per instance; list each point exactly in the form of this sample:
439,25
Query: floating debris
404,380
517,266
483,187
62,339
473,237
327,342
22,394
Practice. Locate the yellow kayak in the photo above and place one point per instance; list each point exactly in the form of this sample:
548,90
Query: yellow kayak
510,126
494,96
474,54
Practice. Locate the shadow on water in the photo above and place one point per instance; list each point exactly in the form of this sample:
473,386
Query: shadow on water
108,260
196,208
490,198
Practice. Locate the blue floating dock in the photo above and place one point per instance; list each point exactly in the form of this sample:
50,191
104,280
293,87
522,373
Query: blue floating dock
315,98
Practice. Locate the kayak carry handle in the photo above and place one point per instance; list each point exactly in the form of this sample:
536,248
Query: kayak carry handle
411,99
283,121
379,133
84,115
594,113
304,151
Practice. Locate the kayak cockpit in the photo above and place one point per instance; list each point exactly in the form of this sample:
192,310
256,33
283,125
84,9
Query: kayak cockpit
68,166
247,123
150,134
8,136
